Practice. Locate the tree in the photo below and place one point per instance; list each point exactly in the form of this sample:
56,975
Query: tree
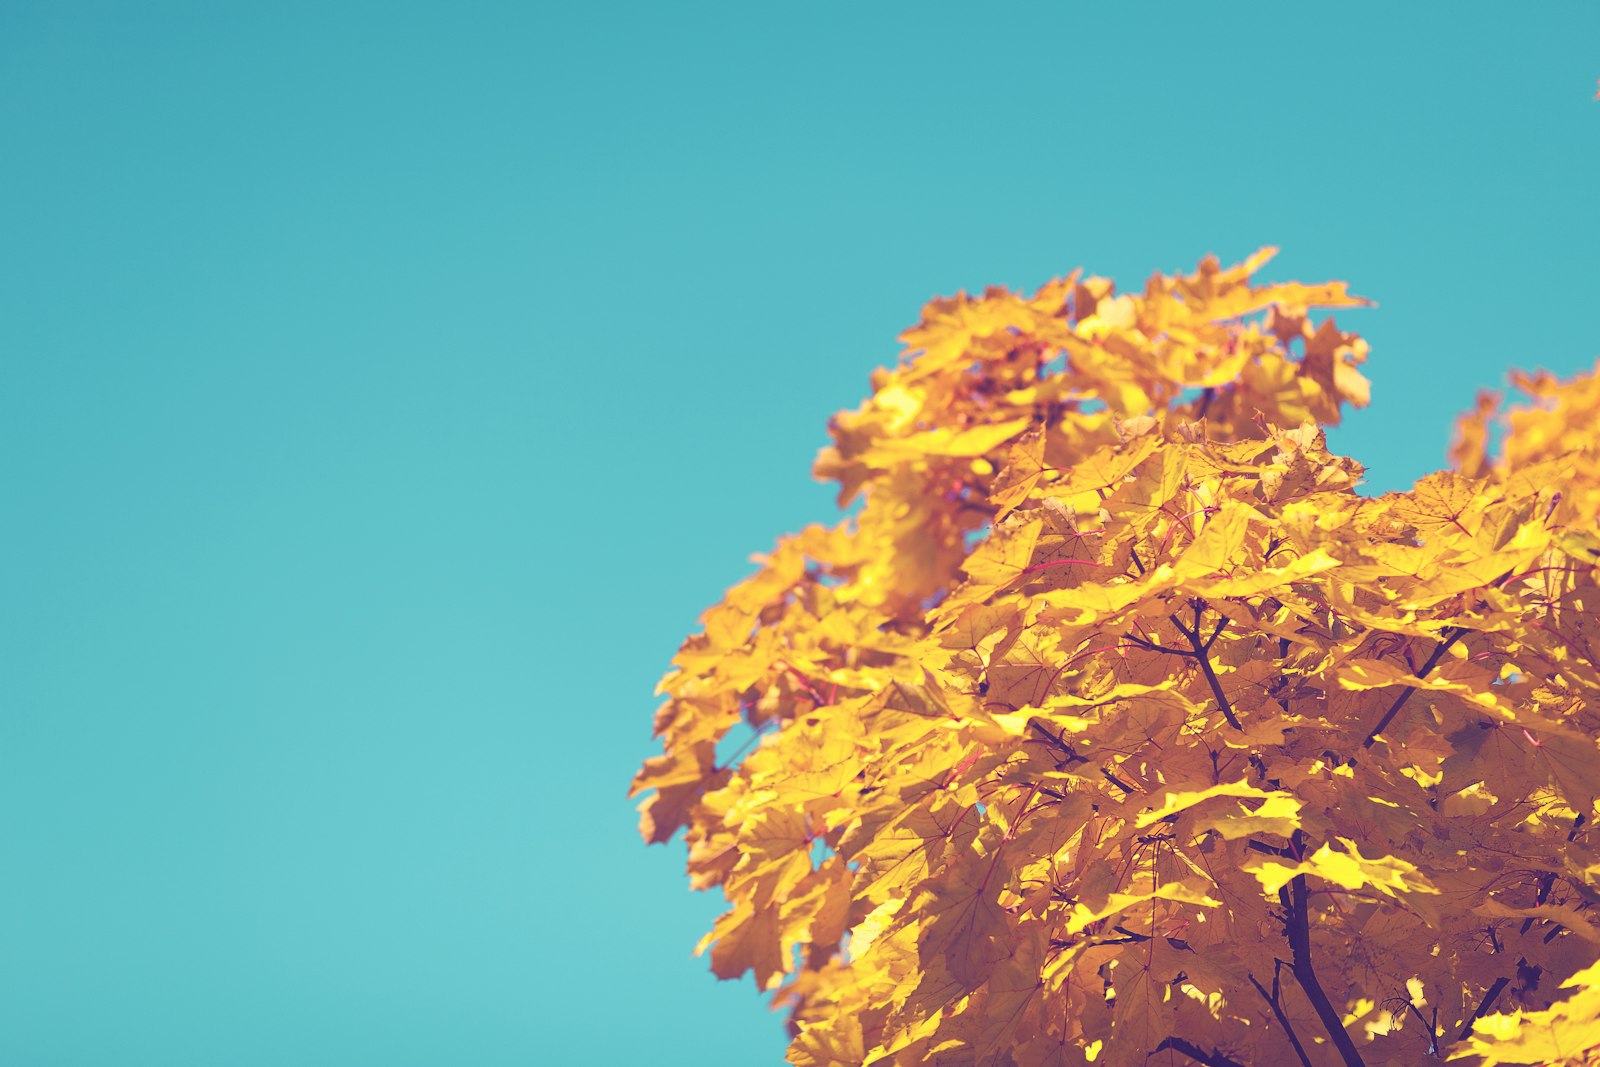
1117,727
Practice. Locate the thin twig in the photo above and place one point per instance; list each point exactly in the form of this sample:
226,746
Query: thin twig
1454,633
1150,646
1058,743
1433,1033
1118,782
1277,1009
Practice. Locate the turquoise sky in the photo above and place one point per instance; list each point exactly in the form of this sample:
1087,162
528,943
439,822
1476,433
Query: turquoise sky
387,387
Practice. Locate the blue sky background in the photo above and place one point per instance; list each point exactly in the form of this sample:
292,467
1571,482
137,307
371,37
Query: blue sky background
387,387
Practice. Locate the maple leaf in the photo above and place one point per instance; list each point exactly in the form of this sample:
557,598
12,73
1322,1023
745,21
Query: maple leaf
1349,869
1278,813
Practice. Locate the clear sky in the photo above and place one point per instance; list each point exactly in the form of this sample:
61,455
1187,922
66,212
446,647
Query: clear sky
386,387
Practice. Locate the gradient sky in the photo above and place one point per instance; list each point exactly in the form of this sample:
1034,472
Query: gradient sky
387,388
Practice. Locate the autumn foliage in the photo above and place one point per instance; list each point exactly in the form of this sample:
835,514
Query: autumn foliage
1119,727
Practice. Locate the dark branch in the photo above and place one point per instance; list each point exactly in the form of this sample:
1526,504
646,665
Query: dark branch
1118,782
1548,879
1293,896
1546,882
1201,648
1489,997
1433,1032
1454,635
1196,1053
1128,937
1150,646
1277,1010
1057,743
1221,625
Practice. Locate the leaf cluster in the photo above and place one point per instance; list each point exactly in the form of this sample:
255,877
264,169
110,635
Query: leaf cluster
1118,727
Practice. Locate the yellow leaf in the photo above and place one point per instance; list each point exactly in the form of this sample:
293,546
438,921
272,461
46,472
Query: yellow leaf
1117,903
1180,802
1349,869
977,441
1314,562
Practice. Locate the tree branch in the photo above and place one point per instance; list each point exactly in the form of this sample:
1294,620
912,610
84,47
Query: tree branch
1298,927
1201,648
1057,743
1118,782
1222,624
1150,646
1547,881
1489,997
1454,633
1433,1030
1277,1009
1196,1053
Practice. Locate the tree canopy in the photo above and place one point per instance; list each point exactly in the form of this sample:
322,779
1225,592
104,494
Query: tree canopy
1118,727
